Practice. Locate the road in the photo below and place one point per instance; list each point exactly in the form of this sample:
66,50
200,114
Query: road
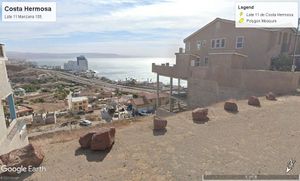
97,82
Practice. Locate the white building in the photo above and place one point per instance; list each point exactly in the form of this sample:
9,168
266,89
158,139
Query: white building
81,65
13,134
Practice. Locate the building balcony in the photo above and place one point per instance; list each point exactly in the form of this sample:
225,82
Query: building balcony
170,71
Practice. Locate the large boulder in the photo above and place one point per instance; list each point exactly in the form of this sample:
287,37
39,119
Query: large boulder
200,114
85,140
159,124
271,96
231,106
254,101
103,139
29,155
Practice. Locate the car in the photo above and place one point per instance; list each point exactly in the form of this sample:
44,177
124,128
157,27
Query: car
85,123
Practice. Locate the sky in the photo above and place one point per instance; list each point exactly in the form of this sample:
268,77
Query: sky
130,27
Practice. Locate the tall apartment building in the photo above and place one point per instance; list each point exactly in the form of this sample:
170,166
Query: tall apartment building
80,65
13,133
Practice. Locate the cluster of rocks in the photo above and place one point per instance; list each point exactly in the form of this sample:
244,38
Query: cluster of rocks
28,156
98,140
159,124
200,114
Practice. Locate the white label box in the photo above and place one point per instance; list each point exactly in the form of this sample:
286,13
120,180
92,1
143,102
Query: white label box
29,11
266,14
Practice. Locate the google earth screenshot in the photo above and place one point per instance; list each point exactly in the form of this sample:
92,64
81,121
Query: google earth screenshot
154,90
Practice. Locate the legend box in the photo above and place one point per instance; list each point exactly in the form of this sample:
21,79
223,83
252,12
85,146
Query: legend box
266,14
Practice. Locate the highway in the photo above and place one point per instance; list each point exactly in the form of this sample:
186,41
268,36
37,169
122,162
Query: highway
97,82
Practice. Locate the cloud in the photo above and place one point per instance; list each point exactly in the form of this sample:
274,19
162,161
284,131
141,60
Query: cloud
163,21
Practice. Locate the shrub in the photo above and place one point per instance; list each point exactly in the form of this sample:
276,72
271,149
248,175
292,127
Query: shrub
282,63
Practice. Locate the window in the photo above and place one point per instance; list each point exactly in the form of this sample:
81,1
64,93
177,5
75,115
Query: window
198,45
197,62
218,43
201,44
206,60
223,43
239,42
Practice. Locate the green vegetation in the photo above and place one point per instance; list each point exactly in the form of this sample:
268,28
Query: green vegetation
61,93
31,87
282,63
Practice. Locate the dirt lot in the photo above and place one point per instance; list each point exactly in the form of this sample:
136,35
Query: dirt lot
253,141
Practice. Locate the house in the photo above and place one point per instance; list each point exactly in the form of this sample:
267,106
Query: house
140,104
151,98
78,104
221,62
13,134
147,101
221,36
24,111
45,118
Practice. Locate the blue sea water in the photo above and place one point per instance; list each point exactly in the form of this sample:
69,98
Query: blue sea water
119,68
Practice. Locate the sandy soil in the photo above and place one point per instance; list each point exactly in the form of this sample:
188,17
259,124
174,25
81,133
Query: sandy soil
253,141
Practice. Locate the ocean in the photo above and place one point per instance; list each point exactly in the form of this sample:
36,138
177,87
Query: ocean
119,68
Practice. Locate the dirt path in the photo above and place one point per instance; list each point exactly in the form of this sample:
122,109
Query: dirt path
253,141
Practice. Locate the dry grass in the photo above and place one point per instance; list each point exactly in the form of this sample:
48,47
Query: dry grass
65,136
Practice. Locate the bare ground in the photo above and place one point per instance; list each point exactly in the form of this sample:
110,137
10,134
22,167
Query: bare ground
253,141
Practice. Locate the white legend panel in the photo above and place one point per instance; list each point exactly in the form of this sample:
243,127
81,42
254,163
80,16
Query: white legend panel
266,14
29,11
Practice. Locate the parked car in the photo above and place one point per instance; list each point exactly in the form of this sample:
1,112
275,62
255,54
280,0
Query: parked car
143,113
85,123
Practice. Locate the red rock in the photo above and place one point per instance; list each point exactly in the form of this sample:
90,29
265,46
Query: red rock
253,101
159,124
200,114
103,139
271,96
29,155
85,140
231,106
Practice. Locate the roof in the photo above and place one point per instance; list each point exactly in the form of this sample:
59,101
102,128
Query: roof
79,99
138,101
233,22
24,109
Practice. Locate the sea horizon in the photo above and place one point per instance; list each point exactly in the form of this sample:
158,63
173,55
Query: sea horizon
118,68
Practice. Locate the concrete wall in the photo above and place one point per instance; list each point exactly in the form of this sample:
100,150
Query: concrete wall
217,84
